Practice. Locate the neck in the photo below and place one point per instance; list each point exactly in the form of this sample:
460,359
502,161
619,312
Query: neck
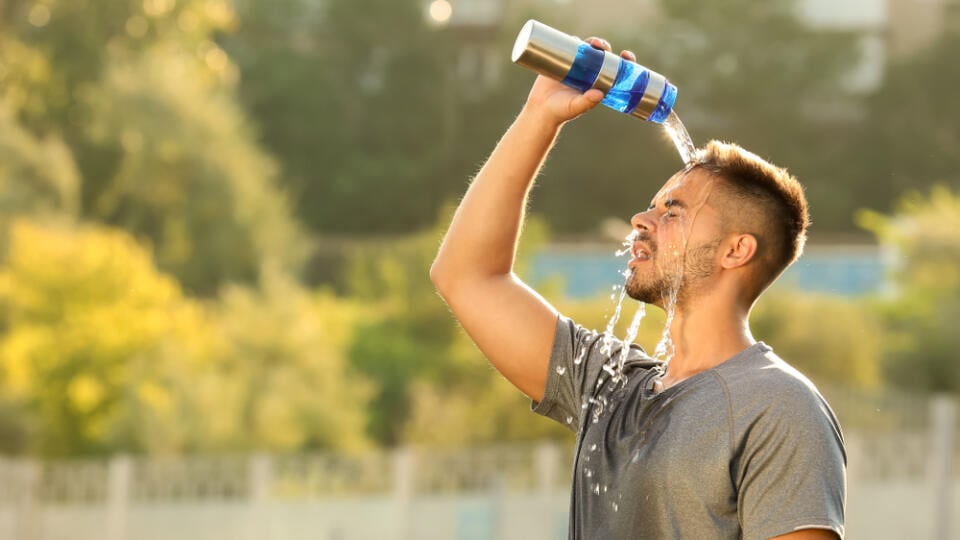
705,334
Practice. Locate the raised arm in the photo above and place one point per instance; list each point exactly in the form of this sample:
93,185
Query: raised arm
473,271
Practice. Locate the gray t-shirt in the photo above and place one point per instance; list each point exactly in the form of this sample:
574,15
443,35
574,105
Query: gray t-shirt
748,449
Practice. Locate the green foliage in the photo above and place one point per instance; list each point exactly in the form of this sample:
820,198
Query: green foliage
908,142
287,381
100,353
921,341
145,103
349,97
410,338
189,177
433,385
86,320
37,176
832,340
78,38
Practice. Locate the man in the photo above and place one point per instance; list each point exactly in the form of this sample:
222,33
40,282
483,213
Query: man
728,441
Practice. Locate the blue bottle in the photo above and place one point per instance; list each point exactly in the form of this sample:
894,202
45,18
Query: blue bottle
628,87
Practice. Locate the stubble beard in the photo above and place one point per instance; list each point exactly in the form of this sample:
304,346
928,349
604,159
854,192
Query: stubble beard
676,280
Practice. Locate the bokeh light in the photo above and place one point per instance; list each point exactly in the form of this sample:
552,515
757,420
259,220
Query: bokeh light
440,11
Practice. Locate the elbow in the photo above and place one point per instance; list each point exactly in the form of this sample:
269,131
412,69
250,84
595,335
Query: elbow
445,278
438,275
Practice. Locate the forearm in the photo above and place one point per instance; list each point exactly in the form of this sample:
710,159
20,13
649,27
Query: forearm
482,238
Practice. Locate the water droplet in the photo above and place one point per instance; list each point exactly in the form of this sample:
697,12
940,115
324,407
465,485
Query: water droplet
588,472
604,489
616,507
569,419
596,489
561,370
593,447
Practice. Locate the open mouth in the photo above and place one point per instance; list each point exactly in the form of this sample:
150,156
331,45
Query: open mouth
640,252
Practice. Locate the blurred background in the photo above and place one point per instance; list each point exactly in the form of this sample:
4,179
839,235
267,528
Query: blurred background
217,218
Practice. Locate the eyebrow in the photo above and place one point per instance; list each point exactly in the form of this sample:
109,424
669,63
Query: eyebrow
670,203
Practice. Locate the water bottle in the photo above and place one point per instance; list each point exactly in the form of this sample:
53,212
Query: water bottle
628,87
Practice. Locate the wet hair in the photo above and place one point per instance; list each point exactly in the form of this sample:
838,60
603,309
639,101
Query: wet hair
761,199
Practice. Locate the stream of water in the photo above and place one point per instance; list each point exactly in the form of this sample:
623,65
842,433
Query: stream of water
664,349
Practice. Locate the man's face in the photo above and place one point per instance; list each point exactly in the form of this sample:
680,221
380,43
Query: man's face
674,241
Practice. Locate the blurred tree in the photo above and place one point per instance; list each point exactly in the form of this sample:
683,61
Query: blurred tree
37,176
189,177
909,137
289,384
77,39
349,95
802,329
415,352
86,318
921,340
102,353
410,337
145,101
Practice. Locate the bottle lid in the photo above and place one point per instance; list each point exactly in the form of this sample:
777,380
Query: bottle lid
545,50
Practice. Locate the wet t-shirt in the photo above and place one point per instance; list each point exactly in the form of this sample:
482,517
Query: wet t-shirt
748,449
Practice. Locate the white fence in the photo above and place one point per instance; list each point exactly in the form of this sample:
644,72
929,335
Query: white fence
901,478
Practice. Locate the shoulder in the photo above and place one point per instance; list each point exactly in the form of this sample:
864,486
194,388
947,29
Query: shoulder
762,387
759,374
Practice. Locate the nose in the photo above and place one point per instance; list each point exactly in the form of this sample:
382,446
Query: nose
644,221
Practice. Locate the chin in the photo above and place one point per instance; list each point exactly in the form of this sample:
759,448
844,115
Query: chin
654,290
645,294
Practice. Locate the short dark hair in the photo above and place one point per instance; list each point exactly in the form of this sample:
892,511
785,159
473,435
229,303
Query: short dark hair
764,200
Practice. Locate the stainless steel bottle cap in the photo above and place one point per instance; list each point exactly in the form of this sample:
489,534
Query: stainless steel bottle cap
545,50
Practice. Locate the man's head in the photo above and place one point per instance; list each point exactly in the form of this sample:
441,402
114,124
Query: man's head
730,211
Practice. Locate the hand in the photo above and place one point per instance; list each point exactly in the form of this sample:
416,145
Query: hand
559,104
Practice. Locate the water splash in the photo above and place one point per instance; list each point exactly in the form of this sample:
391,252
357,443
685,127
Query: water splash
631,337
665,348
608,336
681,139
627,243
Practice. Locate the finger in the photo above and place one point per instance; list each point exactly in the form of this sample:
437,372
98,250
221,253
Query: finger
629,55
584,102
599,43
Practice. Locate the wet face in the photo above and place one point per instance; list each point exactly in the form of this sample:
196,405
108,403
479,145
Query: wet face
675,241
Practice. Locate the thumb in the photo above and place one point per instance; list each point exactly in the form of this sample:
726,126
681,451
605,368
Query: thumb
586,101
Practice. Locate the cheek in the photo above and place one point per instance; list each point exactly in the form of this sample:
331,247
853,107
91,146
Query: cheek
704,228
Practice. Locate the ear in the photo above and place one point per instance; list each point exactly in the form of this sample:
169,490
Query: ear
738,251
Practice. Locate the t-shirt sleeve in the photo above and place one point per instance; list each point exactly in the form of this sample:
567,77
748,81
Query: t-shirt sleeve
576,361
792,468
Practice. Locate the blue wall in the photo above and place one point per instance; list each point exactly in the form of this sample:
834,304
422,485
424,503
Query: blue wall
590,271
